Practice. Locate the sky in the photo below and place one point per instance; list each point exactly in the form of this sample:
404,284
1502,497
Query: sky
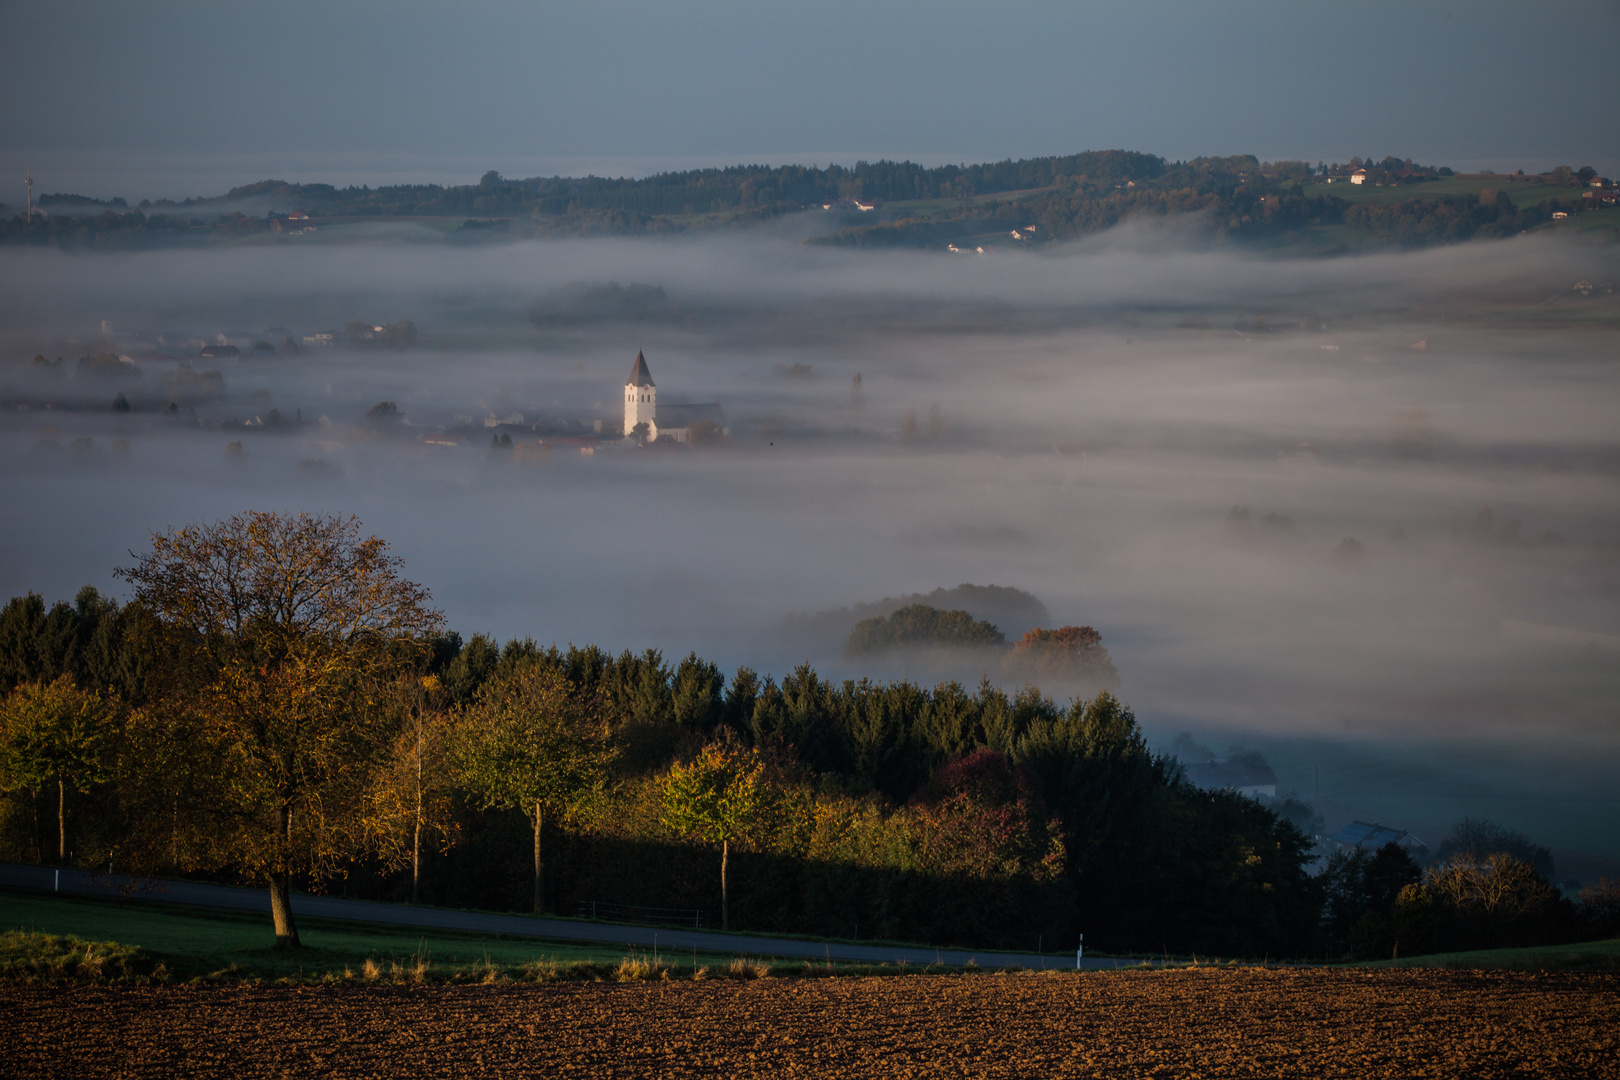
177,99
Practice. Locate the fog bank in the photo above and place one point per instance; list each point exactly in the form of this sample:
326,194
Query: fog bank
1366,503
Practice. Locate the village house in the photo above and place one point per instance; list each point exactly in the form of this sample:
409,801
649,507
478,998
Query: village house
1359,176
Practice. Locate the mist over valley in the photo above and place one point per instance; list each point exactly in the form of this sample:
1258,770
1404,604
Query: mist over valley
1358,513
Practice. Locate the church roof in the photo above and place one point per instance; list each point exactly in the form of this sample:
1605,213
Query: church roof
639,375
680,416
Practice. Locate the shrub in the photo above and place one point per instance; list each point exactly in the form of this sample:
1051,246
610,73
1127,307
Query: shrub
1599,907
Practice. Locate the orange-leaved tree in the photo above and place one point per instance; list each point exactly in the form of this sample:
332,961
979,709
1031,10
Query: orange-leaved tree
1068,655
300,622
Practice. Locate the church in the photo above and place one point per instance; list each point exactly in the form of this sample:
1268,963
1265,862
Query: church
668,421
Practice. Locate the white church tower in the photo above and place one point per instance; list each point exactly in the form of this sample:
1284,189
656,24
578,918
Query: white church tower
641,399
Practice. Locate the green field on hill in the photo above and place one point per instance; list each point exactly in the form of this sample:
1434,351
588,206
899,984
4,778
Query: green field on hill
1523,192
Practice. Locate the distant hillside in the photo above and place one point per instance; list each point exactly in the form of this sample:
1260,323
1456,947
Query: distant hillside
885,204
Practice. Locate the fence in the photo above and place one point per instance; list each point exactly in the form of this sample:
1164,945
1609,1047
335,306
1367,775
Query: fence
602,911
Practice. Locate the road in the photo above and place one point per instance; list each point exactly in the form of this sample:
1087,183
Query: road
232,898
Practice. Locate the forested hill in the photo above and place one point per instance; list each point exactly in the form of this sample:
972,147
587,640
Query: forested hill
1283,205
700,191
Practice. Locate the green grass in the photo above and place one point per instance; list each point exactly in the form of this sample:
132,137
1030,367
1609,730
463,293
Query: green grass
42,936
1522,192
1593,220
1582,956
929,207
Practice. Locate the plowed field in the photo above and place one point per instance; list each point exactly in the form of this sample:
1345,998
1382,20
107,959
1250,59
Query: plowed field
1203,1023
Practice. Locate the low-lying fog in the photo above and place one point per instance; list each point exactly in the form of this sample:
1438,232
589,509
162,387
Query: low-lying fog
1363,514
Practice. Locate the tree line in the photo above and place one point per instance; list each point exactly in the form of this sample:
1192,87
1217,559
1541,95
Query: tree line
277,703
1232,199
1240,197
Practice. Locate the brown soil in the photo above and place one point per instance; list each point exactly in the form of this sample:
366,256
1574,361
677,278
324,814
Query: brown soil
1196,1023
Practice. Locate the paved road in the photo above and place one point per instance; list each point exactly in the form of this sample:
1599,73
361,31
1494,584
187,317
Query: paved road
199,894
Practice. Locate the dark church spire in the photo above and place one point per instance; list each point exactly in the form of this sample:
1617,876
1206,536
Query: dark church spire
639,375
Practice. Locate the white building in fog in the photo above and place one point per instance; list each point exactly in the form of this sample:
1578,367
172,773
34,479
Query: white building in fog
672,422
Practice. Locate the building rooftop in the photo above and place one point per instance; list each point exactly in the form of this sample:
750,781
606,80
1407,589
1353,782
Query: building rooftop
1372,836
680,416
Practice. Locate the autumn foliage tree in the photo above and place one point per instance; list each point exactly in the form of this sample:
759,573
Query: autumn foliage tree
719,797
299,622
1067,655
979,817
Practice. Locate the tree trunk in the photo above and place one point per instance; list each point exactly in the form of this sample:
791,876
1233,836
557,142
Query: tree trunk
281,910
281,881
539,885
61,821
416,839
416,850
725,901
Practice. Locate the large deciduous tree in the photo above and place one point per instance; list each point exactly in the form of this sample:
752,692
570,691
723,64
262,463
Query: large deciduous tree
534,744
300,622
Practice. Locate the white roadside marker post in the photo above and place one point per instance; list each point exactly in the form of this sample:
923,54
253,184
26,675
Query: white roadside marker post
1079,952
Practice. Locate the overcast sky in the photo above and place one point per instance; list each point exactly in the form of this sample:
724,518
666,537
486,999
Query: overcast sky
177,99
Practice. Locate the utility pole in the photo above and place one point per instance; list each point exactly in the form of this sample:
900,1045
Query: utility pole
29,219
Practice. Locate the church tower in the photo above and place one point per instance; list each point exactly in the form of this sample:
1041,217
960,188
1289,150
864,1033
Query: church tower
640,399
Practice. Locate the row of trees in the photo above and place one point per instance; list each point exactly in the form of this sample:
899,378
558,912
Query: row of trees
279,704
1379,904
129,230
1066,656
1450,219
